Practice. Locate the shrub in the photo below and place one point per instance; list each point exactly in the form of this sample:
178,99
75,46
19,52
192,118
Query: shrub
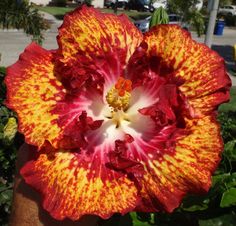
19,14
10,141
196,19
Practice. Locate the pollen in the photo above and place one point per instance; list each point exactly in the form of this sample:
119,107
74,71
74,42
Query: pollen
118,97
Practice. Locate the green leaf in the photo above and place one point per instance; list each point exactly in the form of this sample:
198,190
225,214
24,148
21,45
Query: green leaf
159,16
10,129
4,112
5,197
230,181
230,106
230,150
220,220
229,198
2,70
219,178
195,203
136,222
193,208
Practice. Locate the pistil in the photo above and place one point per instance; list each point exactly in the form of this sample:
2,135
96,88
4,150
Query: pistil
118,97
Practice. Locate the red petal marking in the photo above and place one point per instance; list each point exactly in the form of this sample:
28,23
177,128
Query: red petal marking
74,131
76,184
32,92
45,111
197,70
78,115
141,68
169,175
96,44
165,111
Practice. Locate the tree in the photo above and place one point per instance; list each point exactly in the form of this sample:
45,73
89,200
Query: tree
20,14
189,13
182,7
225,2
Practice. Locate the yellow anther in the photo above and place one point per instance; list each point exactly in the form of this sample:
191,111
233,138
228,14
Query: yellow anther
118,96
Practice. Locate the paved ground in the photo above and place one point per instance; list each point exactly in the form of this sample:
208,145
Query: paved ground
13,42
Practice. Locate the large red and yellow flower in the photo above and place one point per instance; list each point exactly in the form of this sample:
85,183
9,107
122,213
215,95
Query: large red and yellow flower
118,120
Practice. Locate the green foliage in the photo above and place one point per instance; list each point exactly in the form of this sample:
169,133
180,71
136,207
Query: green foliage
181,6
228,198
225,2
189,13
8,146
159,16
21,15
196,18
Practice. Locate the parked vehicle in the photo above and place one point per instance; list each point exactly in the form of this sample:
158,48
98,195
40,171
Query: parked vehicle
120,3
140,5
143,25
227,10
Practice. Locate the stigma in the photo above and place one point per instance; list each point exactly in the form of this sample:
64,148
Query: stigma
118,97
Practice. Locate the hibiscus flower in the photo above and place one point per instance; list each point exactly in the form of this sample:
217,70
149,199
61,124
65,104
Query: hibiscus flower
118,120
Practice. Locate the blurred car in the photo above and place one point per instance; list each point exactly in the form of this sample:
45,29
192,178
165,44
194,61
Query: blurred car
227,10
143,25
120,3
140,5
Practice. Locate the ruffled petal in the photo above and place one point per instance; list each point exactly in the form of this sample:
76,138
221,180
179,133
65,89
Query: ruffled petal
169,52
95,46
184,167
33,91
77,115
76,184
46,111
